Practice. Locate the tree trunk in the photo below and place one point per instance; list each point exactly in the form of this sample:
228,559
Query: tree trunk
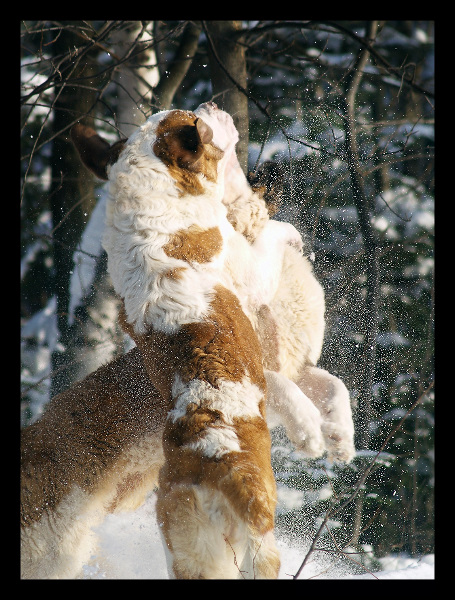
228,72
364,207
135,78
363,204
95,332
173,76
71,194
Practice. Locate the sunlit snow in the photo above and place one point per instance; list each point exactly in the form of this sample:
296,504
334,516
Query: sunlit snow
130,547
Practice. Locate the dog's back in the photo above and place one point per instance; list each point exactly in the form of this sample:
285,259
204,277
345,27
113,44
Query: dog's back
217,496
96,449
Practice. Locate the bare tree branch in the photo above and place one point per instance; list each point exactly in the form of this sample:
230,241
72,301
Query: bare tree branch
164,92
337,26
363,204
67,61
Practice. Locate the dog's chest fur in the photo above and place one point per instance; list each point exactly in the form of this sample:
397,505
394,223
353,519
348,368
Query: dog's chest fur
165,235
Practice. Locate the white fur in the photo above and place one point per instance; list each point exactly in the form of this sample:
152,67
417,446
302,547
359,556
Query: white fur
331,397
143,210
253,271
269,271
231,399
289,406
234,400
238,558
58,544
216,441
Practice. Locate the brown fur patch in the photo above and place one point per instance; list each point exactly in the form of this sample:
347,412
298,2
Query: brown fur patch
183,147
124,488
175,273
84,432
267,331
160,353
187,182
95,152
195,244
223,347
208,163
245,478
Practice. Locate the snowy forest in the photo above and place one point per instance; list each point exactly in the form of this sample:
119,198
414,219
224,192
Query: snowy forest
336,119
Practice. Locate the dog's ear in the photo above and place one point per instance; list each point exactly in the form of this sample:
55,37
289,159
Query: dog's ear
204,131
181,141
95,153
189,142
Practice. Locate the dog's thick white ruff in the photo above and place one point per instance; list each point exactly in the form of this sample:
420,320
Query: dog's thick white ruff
144,209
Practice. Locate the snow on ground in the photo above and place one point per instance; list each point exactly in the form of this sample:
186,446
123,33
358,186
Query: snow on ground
131,548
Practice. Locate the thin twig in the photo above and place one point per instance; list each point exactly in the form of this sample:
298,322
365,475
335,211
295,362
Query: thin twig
235,556
335,510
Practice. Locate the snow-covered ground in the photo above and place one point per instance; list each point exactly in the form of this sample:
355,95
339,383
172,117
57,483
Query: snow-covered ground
131,548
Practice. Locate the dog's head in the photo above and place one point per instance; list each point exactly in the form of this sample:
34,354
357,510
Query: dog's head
188,144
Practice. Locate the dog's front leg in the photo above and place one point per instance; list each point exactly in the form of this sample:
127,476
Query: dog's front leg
287,404
331,397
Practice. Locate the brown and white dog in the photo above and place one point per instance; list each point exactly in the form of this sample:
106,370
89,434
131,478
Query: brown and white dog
168,241
97,449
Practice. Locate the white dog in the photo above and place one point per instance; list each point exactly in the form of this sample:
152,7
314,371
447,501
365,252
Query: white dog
169,242
315,409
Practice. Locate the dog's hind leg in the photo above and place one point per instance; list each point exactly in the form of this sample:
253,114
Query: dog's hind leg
206,539
262,559
197,526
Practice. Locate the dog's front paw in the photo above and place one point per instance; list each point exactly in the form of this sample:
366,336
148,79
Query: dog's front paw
306,435
311,446
339,443
292,236
284,233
